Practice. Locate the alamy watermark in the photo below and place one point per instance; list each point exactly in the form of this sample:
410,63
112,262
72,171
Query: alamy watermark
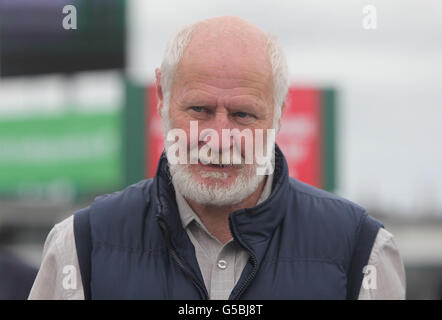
69,281
70,20
370,19
369,282
258,147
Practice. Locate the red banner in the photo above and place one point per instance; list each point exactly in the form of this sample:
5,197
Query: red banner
300,135
154,133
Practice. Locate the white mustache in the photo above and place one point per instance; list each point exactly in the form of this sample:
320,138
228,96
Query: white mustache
256,153
223,157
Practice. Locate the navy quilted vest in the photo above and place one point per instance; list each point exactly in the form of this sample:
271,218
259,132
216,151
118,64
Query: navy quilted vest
304,243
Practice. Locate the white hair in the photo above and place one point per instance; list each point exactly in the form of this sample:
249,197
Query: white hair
178,43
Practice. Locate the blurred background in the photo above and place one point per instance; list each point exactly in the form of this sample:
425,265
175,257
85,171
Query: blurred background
77,107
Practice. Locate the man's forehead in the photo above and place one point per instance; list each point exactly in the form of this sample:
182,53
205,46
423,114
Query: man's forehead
201,79
226,46
225,64
225,57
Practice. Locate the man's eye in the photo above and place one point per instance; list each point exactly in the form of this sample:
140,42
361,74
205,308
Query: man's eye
241,114
197,109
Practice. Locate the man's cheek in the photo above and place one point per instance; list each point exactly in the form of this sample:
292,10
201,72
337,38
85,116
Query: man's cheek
247,149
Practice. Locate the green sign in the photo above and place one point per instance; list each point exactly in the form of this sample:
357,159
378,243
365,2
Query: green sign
62,155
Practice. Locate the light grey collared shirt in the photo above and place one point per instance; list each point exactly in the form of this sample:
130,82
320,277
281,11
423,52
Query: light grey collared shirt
221,265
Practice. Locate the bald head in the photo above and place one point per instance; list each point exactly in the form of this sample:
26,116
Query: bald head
230,24
221,31
227,46
221,49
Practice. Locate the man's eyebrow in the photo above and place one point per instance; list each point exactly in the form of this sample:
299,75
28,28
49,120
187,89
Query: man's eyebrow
250,104
244,102
196,97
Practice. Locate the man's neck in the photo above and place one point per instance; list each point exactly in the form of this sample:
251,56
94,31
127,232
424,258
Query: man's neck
216,218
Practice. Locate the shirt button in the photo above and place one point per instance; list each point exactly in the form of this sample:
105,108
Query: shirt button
222,264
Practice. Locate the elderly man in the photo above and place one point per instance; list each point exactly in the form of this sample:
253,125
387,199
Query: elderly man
210,230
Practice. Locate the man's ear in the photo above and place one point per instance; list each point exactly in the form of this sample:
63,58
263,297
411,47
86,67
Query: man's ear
159,91
280,117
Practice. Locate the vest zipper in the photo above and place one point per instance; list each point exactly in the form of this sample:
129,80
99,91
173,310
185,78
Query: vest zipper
178,261
252,274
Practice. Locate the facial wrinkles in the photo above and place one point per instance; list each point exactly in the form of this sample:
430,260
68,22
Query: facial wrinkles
193,85
219,119
250,99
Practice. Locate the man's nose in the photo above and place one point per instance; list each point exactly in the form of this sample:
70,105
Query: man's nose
219,123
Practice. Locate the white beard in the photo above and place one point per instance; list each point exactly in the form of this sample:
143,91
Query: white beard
215,194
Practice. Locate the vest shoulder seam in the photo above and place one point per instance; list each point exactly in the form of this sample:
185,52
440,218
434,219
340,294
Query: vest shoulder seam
343,201
140,185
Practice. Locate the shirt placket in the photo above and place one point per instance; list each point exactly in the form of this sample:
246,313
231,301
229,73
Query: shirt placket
223,273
